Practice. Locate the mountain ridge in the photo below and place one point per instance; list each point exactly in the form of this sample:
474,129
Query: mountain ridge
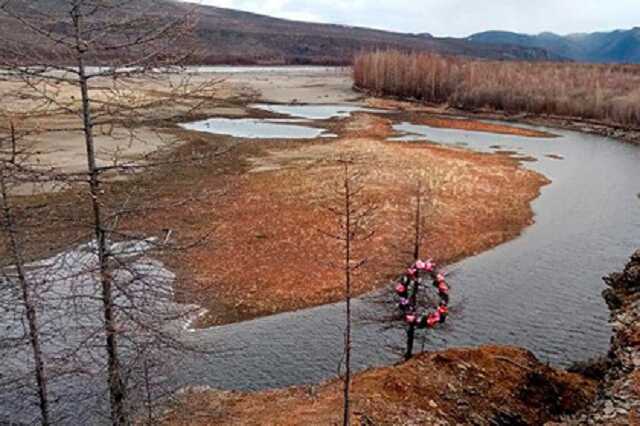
617,46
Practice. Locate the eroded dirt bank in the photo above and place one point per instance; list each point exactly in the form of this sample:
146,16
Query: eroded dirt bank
488,385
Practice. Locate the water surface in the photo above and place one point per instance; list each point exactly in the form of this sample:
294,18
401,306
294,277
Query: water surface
254,128
315,112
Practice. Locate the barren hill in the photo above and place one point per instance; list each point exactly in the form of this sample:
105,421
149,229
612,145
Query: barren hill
234,37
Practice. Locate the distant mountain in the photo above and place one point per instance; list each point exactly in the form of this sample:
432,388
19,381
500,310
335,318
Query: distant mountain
235,37
622,46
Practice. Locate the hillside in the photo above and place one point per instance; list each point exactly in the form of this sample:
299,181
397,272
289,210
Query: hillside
261,38
234,37
622,46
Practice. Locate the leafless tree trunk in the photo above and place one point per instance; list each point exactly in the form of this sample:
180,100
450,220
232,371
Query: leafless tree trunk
347,283
354,215
409,296
117,389
7,167
418,237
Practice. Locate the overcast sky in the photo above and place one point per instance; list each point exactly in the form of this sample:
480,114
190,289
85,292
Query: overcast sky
454,17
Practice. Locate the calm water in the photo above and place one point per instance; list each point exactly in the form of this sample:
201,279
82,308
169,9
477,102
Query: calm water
252,128
314,112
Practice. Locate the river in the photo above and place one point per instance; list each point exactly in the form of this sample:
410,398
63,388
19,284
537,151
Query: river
540,291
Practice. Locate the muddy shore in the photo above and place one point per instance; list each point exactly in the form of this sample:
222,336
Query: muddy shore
477,202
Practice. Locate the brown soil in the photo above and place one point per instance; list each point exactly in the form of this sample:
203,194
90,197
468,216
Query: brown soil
609,130
269,254
489,385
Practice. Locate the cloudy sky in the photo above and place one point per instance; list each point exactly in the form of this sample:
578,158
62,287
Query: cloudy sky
453,17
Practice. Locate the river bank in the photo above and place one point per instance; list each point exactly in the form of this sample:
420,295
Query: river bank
487,385
483,386
476,201
240,196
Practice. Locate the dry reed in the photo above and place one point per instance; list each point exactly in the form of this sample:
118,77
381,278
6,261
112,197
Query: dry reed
605,93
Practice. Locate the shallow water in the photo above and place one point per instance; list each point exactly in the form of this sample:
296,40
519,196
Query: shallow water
315,112
299,126
542,290
70,314
253,128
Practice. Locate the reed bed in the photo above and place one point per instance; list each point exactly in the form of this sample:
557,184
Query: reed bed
604,93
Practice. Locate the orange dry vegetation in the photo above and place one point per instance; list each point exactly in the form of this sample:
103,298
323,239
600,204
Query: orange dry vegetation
489,385
269,255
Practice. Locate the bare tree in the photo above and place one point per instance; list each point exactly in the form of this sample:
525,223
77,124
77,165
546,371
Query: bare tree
354,216
12,170
132,47
415,280
422,289
417,244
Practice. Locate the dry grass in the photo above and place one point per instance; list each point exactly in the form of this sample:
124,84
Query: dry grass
489,385
606,93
